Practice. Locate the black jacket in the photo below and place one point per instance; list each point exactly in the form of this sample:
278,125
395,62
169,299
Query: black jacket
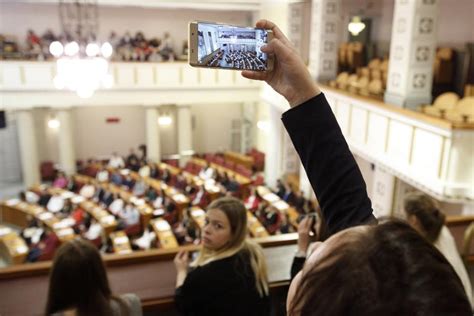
329,164
222,287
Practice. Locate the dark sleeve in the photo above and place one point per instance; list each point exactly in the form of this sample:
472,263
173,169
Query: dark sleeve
297,265
192,293
330,166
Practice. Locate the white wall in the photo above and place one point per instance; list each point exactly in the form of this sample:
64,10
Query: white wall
94,137
152,21
212,126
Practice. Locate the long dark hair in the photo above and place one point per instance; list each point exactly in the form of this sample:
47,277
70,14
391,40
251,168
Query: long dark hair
387,269
426,211
78,280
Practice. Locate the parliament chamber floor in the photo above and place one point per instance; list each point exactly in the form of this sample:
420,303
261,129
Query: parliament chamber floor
202,191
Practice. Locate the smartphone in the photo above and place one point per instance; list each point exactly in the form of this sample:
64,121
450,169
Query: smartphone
215,45
314,220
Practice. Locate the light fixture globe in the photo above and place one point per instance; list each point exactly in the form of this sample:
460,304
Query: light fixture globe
56,49
356,26
54,123
71,49
106,49
92,49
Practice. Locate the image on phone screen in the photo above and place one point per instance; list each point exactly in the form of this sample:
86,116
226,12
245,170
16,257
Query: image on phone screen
231,47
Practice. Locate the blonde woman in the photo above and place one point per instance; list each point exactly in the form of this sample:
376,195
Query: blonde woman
229,276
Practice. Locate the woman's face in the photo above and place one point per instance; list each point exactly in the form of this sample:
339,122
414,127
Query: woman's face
319,252
216,232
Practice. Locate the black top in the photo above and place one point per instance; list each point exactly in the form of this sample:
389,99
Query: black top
330,166
222,287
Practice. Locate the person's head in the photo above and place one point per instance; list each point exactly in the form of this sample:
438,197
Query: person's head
423,214
224,235
385,269
78,280
226,225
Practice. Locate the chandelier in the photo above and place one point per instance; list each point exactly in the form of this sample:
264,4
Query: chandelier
82,61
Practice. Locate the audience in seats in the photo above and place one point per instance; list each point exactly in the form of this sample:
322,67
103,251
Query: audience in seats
229,276
117,205
201,197
55,203
78,214
61,181
139,188
45,248
207,172
116,162
253,200
146,240
102,175
424,215
129,216
128,182
171,213
116,178
144,171
78,284
363,268
33,231
132,161
87,191
93,229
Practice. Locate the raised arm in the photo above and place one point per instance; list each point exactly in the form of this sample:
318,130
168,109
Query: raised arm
331,168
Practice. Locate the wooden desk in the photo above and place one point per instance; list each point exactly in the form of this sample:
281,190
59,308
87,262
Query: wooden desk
275,201
105,219
120,242
240,159
255,227
164,233
173,170
210,185
12,247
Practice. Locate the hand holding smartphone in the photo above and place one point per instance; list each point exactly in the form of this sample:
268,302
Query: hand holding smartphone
214,45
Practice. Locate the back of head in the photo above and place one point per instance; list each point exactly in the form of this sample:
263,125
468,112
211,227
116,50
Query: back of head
387,270
427,213
78,280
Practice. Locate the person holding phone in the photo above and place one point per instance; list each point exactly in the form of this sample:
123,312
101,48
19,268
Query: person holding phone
363,268
308,228
229,276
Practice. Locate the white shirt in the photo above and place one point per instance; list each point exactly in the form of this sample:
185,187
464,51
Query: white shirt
116,162
207,173
87,191
102,176
116,206
144,171
198,197
145,241
55,204
158,202
94,231
447,246
31,197
130,216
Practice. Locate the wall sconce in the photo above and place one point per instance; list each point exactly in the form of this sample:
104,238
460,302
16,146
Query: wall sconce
356,26
165,120
54,123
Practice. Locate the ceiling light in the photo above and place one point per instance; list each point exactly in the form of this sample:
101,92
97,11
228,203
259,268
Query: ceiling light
356,26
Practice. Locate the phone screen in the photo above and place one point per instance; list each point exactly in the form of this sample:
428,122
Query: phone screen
232,47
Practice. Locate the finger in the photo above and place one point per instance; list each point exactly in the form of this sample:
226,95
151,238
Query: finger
255,75
280,50
277,33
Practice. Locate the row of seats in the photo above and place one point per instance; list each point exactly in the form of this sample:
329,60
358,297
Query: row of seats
451,107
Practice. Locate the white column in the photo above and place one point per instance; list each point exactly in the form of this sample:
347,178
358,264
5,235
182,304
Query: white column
383,191
153,145
412,50
273,153
184,133
28,148
299,22
324,39
67,156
